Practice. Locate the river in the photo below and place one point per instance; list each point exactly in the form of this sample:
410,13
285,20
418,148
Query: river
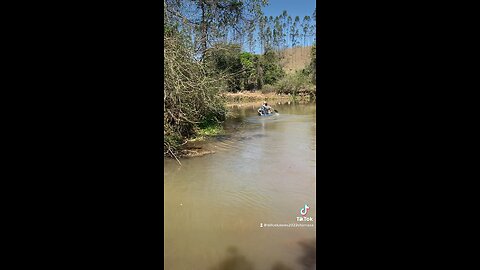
263,171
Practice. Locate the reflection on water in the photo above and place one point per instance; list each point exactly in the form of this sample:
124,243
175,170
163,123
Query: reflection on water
263,171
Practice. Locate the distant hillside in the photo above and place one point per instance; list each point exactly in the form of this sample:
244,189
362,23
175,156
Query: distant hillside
296,58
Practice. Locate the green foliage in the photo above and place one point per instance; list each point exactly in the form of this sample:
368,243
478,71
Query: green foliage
248,61
295,83
313,64
310,70
225,60
259,72
242,70
210,130
271,67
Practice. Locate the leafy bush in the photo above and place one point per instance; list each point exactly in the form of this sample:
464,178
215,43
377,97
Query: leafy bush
268,89
293,83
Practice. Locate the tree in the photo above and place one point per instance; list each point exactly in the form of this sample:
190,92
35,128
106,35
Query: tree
284,19
190,95
272,71
312,32
262,32
268,39
305,26
292,34
315,22
270,28
294,31
251,36
213,20
313,64
296,25
224,59
277,33
289,27
259,72
248,66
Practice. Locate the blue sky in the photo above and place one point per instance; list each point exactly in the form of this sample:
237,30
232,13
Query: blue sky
294,8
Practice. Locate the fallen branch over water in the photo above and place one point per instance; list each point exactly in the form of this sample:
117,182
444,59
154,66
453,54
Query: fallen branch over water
171,152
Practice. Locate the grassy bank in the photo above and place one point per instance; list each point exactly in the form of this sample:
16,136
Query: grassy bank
190,147
207,131
256,96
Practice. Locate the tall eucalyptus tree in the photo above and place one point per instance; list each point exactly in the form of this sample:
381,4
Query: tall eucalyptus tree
306,28
278,33
289,27
284,18
251,36
212,20
262,24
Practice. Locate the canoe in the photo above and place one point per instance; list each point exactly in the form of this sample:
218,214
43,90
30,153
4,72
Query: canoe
269,114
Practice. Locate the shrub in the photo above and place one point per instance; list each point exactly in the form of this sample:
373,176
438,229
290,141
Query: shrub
293,83
190,93
268,89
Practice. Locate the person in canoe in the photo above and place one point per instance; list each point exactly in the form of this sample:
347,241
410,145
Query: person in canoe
265,109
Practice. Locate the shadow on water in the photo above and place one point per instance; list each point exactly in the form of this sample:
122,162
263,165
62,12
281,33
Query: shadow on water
236,261
254,136
280,266
309,257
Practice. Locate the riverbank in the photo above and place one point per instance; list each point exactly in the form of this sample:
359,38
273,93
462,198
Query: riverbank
244,97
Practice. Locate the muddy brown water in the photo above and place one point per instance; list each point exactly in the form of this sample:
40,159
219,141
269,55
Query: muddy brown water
262,171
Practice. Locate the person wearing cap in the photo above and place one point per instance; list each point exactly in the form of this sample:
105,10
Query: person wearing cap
266,109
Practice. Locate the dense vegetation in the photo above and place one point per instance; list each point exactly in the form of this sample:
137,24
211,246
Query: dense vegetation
210,48
190,93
